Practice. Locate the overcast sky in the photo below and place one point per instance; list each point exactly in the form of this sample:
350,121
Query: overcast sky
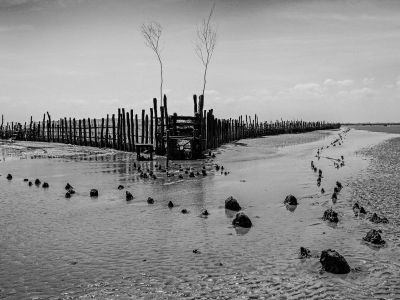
334,60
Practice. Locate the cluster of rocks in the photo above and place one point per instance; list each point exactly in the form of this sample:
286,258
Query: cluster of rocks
241,219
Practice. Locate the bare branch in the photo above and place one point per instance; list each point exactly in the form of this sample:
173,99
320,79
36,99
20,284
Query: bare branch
205,44
152,34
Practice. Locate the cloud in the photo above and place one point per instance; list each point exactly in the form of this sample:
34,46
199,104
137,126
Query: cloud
211,92
338,83
398,82
368,80
310,86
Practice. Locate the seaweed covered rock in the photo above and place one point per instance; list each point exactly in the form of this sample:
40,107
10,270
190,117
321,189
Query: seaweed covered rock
304,252
377,219
94,193
232,204
290,200
333,262
330,215
373,236
358,209
128,196
242,220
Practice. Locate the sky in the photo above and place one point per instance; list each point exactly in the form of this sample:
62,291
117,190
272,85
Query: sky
336,60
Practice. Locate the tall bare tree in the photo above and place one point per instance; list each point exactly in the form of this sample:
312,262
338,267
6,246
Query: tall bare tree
205,44
152,34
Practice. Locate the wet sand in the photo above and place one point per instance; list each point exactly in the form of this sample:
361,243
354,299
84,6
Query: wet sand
106,247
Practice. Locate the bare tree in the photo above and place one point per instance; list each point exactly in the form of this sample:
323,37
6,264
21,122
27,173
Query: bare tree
205,44
152,33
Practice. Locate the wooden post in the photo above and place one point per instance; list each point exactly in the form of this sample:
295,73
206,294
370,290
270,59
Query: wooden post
162,146
84,132
80,131
114,145
147,129
151,127
155,124
90,132
128,123
123,124
166,111
95,132
102,134
132,131
74,121
137,128
195,104
107,126
119,130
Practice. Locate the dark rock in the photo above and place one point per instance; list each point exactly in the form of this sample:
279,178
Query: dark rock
204,212
45,185
336,190
204,172
37,182
322,191
191,174
232,204
196,251
377,219
68,187
334,196
242,220
217,167
333,262
362,210
290,200
94,193
68,195
339,185
320,172
180,176
71,191
26,180
128,196
30,183
9,177
304,252
331,216
186,172
184,211
374,237
170,204
121,187
150,200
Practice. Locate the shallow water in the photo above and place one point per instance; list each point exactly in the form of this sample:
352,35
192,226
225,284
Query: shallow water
104,248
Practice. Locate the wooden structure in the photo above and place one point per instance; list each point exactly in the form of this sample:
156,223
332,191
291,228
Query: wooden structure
181,137
146,149
184,139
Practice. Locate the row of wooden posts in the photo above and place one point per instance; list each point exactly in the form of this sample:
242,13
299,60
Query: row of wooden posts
125,130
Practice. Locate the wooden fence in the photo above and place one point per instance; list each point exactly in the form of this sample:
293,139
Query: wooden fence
124,130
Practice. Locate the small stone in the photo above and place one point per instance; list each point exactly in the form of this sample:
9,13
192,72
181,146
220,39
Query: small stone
180,176
333,262
30,183
290,200
128,196
196,251
377,219
45,185
191,174
374,237
232,204
9,177
67,195
94,193
121,187
331,216
170,204
68,187
304,252
322,191
26,180
150,200
242,220
204,212
37,182
204,172
184,211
